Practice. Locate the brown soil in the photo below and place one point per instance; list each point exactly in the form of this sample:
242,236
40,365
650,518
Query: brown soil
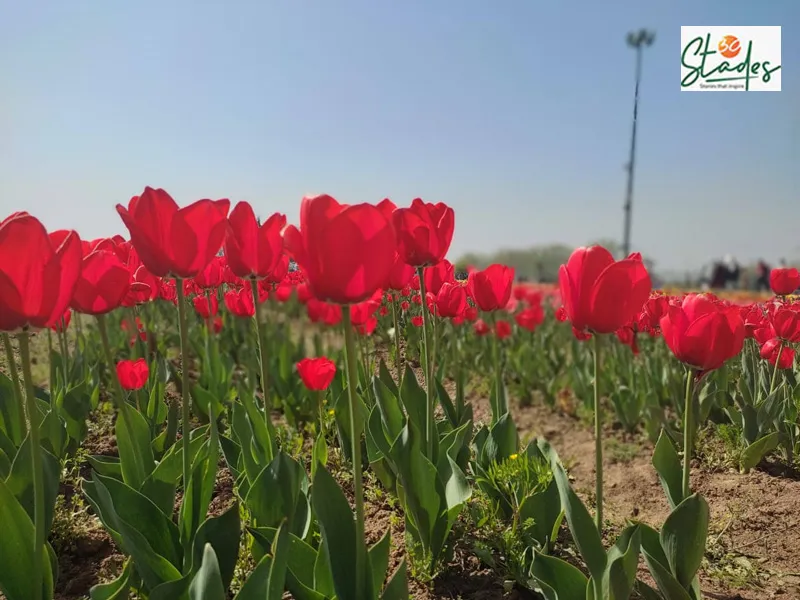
754,517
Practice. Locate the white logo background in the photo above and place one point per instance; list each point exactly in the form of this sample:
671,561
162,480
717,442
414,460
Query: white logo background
766,47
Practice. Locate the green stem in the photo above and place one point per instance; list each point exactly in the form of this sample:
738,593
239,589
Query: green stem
62,344
262,351
186,412
775,370
398,363
37,573
688,434
598,437
118,396
12,368
429,421
355,438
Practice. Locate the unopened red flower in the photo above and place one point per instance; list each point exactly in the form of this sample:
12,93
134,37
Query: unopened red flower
316,373
417,321
437,275
502,329
451,301
401,274
602,295
38,272
702,332
491,288
253,250
102,285
213,275
530,318
203,308
775,351
481,328
346,252
784,281
173,241
240,302
424,232
133,374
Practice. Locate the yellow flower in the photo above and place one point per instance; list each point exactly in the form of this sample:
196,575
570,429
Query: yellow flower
331,412
514,456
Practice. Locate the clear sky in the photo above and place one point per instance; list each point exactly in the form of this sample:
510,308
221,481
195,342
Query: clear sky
515,112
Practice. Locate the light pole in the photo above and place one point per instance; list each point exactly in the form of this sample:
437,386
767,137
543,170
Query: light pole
637,40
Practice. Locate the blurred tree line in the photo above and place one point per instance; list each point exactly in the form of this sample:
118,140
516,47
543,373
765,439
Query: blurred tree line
538,263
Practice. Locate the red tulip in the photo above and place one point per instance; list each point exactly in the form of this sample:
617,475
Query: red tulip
775,350
38,272
424,232
491,288
702,332
451,301
316,373
103,284
212,276
401,274
346,252
240,302
481,328
530,318
502,329
437,275
599,294
253,250
133,374
172,241
784,281
204,309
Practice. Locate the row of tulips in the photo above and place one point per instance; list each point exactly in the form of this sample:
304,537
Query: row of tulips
378,274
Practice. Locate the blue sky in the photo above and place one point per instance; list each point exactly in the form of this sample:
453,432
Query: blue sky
516,113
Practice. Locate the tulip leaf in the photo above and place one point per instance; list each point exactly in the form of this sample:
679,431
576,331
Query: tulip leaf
135,452
397,586
668,466
379,559
581,525
683,538
138,527
339,534
753,454
117,589
20,480
623,560
17,552
207,584
559,580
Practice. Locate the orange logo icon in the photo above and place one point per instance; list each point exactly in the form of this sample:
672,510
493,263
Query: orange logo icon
729,46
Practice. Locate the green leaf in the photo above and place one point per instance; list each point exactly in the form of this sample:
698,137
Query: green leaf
583,528
16,551
10,418
277,493
543,509
339,532
118,589
106,465
136,453
683,537
397,586
138,527
668,467
280,560
753,454
20,481
561,580
207,584
623,560
379,559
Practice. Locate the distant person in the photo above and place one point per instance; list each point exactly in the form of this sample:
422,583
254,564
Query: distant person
719,276
733,272
762,276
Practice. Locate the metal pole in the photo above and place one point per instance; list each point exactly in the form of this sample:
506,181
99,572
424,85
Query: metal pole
637,41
